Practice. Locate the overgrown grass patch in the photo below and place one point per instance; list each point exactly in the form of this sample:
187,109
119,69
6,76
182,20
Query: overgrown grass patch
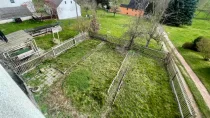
145,92
88,83
67,59
73,55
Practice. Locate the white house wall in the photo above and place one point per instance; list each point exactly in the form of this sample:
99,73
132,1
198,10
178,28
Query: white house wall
67,9
7,3
12,20
14,103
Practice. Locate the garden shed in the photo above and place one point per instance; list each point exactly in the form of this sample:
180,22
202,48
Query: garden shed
20,45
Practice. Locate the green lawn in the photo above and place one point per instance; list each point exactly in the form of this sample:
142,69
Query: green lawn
146,92
116,26
187,34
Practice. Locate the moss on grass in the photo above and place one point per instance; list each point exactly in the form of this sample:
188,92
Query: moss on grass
145,92
88,90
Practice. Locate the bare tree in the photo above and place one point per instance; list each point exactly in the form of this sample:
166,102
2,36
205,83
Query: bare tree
39,5
88,5
94,25
114,7
146,26
82,25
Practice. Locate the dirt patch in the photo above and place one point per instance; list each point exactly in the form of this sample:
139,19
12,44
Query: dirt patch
58,104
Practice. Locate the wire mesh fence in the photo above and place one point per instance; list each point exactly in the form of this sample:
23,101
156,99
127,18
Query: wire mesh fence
176,78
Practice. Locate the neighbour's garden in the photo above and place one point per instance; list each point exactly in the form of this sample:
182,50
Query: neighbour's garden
184,40
181,35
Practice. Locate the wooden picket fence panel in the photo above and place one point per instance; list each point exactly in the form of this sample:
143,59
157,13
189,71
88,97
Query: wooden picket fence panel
27,65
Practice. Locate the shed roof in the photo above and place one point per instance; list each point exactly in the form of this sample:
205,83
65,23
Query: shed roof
53,3
136,4
14,40
14,12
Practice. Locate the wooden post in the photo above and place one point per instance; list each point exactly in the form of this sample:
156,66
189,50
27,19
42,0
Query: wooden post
53,36
36,46
58,35
53,52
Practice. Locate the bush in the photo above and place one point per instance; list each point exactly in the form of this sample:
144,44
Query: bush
204,47
196,41
188,45
194,44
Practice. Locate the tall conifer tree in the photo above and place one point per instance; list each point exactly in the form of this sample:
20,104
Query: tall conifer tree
180,12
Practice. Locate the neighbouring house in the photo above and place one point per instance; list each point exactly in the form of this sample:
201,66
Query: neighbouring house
63,9
11,9
135,8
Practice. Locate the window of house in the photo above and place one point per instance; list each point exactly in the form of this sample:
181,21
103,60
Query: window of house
65,2
12,1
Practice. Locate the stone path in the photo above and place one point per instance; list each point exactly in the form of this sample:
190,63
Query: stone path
47,77
196,80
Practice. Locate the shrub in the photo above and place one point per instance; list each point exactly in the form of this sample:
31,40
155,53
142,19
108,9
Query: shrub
94,25
196,41
204,47
188,45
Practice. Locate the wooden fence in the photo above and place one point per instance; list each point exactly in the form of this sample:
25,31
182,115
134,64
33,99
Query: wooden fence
118,80
21,68
156,54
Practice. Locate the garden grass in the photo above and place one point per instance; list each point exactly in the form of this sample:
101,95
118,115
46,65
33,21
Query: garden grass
115,27
88,83
66,59
180,35
70,57
145,92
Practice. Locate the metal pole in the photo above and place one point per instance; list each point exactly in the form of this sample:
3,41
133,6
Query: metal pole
76,8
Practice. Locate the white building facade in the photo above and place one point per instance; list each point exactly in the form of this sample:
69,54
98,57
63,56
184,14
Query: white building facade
68,9
17,3
65,9
13,3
